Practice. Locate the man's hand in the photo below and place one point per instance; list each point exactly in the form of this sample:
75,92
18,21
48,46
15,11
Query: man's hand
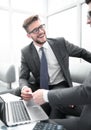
26,93
38,96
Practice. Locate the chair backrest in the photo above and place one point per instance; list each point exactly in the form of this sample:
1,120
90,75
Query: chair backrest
79,71
7,73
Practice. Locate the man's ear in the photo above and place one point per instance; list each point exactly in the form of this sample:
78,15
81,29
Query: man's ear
28,35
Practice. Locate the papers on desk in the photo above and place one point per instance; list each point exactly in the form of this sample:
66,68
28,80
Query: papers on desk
9,97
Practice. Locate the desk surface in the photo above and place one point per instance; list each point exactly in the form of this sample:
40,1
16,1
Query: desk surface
29,126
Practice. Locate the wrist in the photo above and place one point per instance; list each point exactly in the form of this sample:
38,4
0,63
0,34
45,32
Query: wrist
45,95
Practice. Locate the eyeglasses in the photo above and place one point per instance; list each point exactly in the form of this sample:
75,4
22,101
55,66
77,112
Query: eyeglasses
89,15
36,30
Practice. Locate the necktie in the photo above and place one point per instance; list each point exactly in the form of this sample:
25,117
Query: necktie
43,71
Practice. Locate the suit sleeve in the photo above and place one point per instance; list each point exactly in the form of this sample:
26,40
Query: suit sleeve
24,73
76,51
79,95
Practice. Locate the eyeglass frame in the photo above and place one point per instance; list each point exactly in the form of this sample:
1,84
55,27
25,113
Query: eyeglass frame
36,30
89,15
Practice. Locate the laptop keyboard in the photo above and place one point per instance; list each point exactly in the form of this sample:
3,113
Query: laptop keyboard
47,126
19,111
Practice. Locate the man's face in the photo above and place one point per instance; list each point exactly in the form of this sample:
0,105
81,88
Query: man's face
89,14
37,32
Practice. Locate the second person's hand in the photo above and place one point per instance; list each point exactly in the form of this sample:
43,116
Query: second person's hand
38,96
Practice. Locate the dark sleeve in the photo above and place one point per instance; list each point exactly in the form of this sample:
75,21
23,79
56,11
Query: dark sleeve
76,51
79,95
24,72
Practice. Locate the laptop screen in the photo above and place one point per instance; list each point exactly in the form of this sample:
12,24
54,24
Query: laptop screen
13,112
2,110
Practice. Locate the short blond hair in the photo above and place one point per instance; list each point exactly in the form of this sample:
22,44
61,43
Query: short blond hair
29,21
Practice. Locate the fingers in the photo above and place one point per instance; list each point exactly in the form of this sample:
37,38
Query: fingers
26,94
38,97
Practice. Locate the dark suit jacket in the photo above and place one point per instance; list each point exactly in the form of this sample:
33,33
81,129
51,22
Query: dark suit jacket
62,49
80,95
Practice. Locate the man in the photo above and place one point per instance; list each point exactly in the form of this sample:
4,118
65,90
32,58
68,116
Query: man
80,95
57,53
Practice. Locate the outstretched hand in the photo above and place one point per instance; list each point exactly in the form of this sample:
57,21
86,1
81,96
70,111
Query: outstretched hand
26,93
38,96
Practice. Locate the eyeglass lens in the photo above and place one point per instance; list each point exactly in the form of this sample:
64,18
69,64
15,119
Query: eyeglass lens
36,30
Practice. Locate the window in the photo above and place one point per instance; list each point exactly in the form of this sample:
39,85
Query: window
4,3
64,24
86,30
68,19
55,5
4,36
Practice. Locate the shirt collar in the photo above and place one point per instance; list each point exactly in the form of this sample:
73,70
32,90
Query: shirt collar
45,45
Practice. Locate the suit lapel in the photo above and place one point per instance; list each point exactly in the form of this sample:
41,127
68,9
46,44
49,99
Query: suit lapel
35,59
57,51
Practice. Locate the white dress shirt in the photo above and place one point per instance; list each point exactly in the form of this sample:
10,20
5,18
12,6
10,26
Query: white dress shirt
54,70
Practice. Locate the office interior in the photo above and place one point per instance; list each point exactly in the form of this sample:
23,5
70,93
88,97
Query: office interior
63,18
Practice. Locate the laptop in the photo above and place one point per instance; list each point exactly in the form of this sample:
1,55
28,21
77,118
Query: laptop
15,111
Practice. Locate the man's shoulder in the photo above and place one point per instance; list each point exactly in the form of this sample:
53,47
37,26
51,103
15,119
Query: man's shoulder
57,39
26,48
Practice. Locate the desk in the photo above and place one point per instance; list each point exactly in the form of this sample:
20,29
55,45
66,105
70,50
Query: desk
29,126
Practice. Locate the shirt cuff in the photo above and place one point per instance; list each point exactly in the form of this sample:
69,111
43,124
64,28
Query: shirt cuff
45,95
